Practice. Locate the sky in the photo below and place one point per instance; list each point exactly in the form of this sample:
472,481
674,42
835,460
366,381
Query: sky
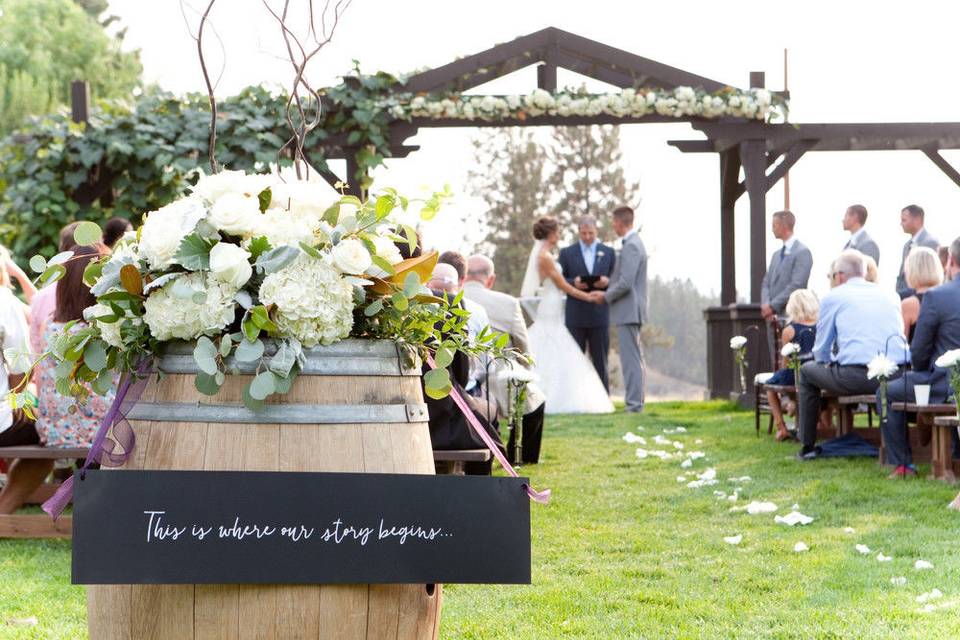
849,61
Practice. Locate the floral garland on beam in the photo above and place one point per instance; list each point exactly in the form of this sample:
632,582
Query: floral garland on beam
753,104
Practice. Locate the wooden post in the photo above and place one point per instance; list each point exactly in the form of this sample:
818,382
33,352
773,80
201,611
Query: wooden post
753,156
729,178
79,100
547,76
354,187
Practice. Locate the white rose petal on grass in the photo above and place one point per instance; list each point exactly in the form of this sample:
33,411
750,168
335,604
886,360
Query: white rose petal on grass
793,518
862,548
800,547
686,464
630,438
936,594
681,478
698,441
230,264
848,530
350,256
761,507
734,540
661,440
920,565
678,445
734,496
898,581
642,453
883,558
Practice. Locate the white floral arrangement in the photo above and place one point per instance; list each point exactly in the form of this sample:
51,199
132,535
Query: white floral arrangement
881,368
681,102
249,258
739,346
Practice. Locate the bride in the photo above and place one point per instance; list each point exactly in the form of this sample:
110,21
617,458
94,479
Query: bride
566,375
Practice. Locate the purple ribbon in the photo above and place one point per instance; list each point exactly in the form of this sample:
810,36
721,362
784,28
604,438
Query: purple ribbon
114,440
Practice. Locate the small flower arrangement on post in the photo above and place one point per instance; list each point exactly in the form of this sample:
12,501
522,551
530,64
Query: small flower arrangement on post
951,360
881,368
517,378
739,346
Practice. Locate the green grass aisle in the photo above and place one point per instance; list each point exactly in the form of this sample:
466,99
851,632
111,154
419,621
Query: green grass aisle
624,550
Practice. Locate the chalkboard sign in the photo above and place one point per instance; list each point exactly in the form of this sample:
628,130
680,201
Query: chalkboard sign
222,527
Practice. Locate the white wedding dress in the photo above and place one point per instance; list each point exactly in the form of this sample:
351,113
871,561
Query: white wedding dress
565,374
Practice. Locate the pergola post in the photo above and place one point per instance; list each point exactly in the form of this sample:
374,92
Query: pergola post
79,101
753,157
729,192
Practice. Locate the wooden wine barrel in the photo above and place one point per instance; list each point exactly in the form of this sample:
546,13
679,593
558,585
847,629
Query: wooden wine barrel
354,408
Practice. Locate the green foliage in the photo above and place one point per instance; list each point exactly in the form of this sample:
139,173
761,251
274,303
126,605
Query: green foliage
44,45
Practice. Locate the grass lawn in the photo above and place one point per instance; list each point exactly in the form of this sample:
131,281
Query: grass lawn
624,550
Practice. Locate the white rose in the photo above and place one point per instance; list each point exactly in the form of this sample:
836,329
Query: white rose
284,228
790,349
212,188
736,342
230,264
387,249
236,214
164,228
350,256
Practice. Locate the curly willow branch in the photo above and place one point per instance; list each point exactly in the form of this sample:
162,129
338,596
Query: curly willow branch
206,79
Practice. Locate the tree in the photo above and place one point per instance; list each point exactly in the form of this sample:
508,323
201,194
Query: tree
676,310
587,176
509,176
44,44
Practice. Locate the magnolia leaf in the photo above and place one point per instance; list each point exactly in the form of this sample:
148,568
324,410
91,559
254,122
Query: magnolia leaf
264,199
207,384
87,233
38,264
276,259
194,253
131,280
95,355
205,355
332,215
261,318
262,385
248,351
249,329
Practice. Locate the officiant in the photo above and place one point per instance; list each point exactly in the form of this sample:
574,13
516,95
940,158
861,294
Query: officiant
587,265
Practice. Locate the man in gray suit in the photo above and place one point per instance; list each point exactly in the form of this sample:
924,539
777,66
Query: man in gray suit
627,297
911,221
853,221
789,268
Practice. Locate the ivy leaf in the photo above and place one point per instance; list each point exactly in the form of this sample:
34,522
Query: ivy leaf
276,259
87,233
205,355
194,253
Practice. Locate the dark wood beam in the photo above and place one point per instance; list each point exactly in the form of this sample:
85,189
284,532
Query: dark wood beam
729,176
693,146
934,154
599,70
753,157
793,155
79,101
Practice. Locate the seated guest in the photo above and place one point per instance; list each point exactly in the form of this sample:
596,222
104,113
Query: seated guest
944,254
56,425
871,274
802,310
858,319
937,331
15,428
505,316
114,230
922,271
41,307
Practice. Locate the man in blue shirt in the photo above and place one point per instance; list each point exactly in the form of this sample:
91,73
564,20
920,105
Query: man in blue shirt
858,320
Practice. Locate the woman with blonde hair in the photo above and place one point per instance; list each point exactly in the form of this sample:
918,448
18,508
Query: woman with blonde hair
803,308
923,271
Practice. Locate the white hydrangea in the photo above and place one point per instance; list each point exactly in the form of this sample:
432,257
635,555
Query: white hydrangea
170,316
284,228
109,331
164,228
321,313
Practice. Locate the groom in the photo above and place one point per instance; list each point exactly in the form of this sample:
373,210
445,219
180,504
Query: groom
627,297
587,265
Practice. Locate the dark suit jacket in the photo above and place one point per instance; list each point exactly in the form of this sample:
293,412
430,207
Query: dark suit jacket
938,328
579,313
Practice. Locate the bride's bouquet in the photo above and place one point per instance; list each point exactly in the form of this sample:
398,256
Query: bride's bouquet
251,266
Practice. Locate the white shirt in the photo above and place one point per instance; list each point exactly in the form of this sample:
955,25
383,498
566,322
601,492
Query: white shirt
14,334
475,323
788,245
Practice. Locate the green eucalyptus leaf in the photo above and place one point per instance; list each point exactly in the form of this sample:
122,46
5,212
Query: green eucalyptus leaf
87,233
207,384
52,273
262,385
38,264
95,355
226,344
373,308
248,351
399,301
282,384
205,355
103,383
249,401
436,383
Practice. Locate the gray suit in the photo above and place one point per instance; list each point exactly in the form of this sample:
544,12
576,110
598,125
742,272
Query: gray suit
922,239
866,245
788,271
627,297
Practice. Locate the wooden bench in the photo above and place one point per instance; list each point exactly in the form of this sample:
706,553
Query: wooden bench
943,427
848,407
42,525
452,462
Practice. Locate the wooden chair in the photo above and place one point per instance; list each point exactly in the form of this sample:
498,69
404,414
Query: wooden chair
452,462
763,406
34,525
